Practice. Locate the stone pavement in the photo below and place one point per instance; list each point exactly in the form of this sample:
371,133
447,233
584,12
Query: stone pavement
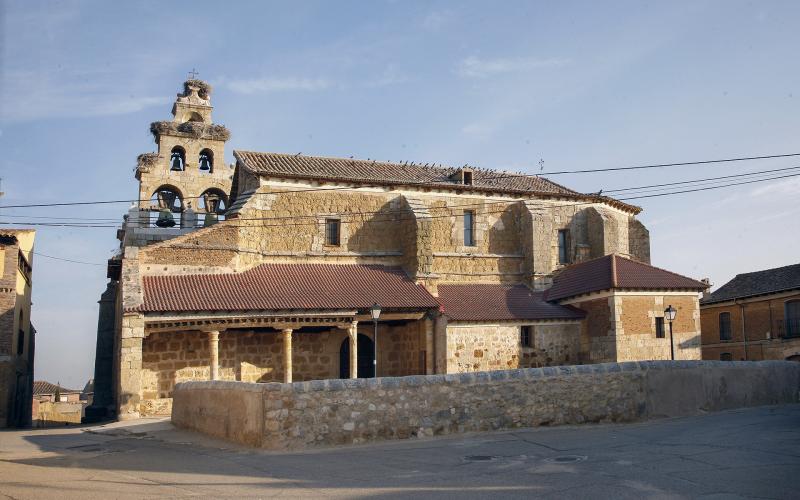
746,453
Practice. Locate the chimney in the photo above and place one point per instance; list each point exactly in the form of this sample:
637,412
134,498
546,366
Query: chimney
706,292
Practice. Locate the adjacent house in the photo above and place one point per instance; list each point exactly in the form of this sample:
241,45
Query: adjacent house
16,331
56,405
754,316
289,267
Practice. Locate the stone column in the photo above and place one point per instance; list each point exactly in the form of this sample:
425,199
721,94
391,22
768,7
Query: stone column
287,355
430,349
213,349
129,394
352,334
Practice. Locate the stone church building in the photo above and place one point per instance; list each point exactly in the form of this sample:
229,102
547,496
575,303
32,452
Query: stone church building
267,270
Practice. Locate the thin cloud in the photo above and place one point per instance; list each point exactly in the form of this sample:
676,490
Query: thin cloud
31,96
437,20
270,84
474,67
786,187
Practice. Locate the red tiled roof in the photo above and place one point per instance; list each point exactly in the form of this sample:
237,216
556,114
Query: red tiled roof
287,286
41,387
479,302
616,272
356,170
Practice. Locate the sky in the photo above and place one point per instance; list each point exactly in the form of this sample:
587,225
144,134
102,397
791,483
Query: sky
506,85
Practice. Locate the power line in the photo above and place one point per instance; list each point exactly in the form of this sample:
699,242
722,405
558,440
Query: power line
67,260
405,211
97,222
549,206
761,172
657,165
421,183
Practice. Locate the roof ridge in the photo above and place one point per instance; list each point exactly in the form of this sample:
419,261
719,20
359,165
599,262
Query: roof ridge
665,270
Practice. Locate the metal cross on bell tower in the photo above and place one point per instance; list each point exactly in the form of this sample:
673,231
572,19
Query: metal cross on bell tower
193,74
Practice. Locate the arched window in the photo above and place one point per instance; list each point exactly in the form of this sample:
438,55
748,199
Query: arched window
166,200
792,318
177,162
206,161
212,206
195,117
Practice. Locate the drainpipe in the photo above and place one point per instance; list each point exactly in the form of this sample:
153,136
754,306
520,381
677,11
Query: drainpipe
744,333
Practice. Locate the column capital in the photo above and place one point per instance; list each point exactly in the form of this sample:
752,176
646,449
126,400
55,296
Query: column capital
286,331
213,334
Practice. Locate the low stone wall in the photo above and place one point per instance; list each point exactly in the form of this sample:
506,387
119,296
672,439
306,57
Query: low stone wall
334,412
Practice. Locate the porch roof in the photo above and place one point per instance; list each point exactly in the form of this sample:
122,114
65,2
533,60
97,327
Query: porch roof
285,287
487,302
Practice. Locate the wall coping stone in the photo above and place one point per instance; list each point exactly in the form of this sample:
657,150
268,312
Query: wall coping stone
467,378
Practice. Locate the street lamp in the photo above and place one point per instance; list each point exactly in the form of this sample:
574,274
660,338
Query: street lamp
670,313
375,312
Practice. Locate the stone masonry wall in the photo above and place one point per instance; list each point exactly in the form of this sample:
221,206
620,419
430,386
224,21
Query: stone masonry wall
173,357
622,327
338,412
473,348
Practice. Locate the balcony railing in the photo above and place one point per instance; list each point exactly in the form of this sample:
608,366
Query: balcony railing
789,328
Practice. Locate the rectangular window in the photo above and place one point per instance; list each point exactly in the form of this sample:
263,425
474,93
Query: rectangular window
525,336
467,178
725,326
725,356
469,228
660,328
332,228
563,246
792,318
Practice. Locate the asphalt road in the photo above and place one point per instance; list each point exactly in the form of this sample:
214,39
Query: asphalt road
751,453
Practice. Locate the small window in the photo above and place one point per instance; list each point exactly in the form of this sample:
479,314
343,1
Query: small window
725,326
660,327
563,246
725,356
467,178
332,229
469,228
525,337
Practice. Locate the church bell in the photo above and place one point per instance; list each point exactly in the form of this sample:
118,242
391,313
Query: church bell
177,163
165,218
166,199
205,165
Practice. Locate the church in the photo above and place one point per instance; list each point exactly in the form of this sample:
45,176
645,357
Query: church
290,267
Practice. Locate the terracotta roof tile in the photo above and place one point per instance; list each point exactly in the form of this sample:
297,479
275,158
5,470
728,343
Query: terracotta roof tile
287,286
355,170
41,387
616,272
479,302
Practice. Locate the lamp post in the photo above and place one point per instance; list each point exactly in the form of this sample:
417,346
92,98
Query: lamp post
670,313
375,312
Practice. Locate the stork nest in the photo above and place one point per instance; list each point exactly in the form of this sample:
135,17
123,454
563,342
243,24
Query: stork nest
205,88
195,130
147,159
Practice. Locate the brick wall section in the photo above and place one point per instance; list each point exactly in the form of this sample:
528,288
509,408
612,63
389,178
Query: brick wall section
763,323
622,328
8,300
338,412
